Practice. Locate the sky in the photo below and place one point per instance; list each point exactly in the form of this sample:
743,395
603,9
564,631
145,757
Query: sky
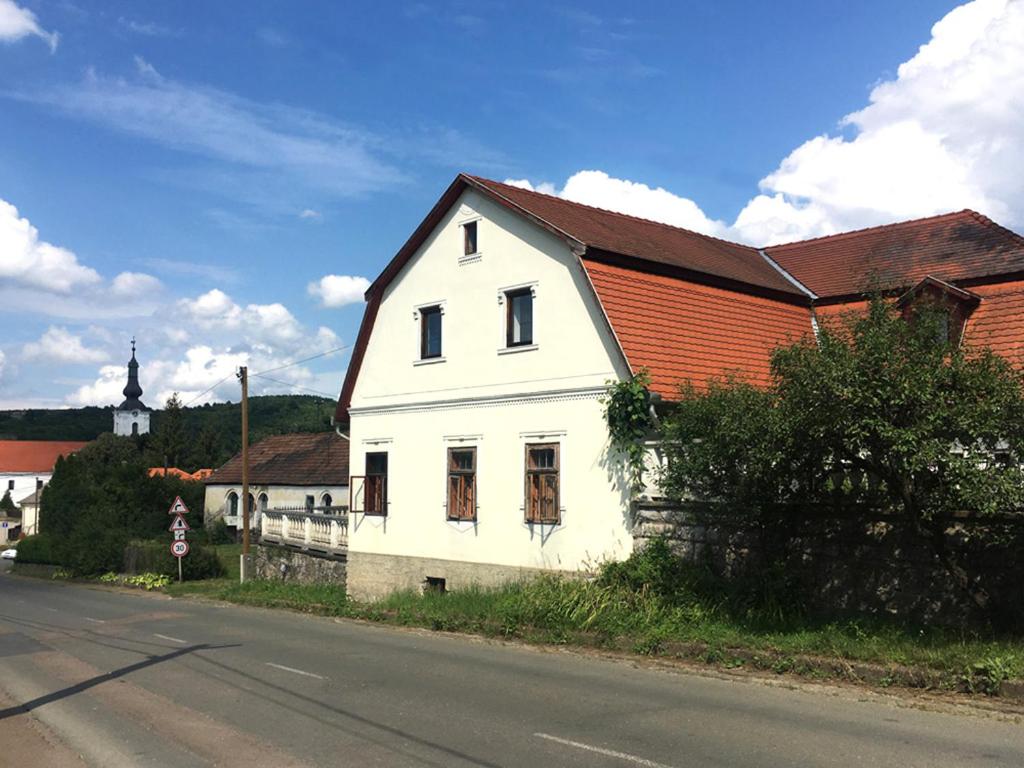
223,180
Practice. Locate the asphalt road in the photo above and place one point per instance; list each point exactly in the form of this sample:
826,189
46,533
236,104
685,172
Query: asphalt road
102,678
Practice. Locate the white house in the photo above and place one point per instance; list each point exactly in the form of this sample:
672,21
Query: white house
26,466
297,472
479,451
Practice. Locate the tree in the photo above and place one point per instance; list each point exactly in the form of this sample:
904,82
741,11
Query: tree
207,451
883,413
7,506
168,445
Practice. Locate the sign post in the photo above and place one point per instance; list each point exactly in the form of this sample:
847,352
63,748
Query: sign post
179,547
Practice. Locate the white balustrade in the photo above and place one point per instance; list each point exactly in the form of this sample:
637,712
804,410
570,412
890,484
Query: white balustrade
306,529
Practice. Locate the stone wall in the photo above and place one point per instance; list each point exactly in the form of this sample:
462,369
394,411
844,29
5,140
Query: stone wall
299,566
373,576
851,566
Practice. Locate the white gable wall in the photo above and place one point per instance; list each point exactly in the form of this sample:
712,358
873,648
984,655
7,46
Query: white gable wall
484,396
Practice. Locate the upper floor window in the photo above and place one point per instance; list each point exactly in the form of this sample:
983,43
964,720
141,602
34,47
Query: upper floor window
519,318
430,332
469,242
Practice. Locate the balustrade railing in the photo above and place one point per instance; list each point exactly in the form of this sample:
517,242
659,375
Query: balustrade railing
313,530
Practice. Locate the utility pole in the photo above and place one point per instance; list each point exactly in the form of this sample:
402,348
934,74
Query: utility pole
243,375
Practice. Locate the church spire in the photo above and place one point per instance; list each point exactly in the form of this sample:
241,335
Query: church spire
132,390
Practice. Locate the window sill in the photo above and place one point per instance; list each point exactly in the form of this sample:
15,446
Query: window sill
470,258
428,361
521,348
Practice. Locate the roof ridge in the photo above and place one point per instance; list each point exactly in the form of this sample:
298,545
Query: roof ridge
985,220
615,213
877,227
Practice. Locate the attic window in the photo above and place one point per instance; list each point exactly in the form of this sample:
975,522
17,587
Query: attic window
469,238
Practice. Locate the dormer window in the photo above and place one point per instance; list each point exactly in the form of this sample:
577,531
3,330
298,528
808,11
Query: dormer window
430,332
953,304
469,241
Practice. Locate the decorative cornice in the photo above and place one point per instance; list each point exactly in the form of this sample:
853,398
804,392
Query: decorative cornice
484,401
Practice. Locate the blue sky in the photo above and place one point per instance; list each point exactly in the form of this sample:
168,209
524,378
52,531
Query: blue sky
192,171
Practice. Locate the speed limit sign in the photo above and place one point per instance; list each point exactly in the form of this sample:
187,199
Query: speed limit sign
179,548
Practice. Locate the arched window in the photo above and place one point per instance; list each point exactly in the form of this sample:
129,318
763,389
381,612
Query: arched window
135,428
327,501
252,504
264,501
232,504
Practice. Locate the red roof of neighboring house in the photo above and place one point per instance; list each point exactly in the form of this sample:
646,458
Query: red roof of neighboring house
680,330
199,474
35,455
998,321
951,247
319,458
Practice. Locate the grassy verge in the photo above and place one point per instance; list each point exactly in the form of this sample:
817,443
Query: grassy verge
660,608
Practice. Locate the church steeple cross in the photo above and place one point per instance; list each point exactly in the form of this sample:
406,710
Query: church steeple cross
133,346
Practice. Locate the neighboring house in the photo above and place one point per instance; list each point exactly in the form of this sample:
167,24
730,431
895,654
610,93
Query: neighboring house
26,466
286,472
479,450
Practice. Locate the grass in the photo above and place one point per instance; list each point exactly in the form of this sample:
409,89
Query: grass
229,555
654,605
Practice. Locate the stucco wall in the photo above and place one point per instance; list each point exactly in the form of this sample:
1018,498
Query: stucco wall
482,395
24,483
277,496
123,421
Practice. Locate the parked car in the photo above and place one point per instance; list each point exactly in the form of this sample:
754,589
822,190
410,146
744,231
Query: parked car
9,554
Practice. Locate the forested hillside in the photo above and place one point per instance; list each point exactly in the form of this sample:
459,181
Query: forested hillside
210,433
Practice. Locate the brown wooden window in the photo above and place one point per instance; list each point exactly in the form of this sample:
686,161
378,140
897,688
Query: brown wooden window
519,318
375,493
542,483
469,238
462,483
430,332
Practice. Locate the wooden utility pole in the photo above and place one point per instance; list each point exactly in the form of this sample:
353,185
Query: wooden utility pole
243,375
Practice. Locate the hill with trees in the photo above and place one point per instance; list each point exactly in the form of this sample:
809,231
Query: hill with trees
189,438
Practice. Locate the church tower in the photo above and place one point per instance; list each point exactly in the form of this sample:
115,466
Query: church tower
132,417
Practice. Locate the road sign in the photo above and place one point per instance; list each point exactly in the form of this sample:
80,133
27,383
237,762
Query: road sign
178,507
179,535
179,524
179,548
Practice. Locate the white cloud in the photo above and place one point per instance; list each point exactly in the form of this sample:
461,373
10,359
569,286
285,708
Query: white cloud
17,22
944,134
598,189
106,390
338,290
27,260
61,346
135,284
216,312
309,213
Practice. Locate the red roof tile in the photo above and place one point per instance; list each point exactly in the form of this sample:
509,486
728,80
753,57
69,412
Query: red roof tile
652,241
319,458
35,455
952,247
680,330
998,322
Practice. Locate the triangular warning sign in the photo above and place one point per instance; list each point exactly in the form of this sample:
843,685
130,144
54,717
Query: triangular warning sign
178,507
179,524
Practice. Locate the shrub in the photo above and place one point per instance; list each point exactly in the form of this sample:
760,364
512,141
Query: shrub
36,549
155,557
217,532
95,554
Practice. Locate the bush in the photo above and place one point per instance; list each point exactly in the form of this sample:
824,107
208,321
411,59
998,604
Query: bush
36,549
155,557
95,554
218,532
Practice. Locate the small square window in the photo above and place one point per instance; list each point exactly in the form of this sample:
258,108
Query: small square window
519,321
469,238
430,332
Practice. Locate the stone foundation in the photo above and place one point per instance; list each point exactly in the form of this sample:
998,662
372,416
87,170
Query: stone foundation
373,576
299,566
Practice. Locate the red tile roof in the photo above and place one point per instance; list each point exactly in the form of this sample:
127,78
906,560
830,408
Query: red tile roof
651,241
199,474
998,322
951,247
35,455
685,331
319,458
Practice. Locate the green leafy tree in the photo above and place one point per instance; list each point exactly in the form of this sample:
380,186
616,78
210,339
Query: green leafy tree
882,414
169,443
7,506
207,451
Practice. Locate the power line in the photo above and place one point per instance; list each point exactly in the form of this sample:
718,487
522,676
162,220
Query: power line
296,386
303,360
186,405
